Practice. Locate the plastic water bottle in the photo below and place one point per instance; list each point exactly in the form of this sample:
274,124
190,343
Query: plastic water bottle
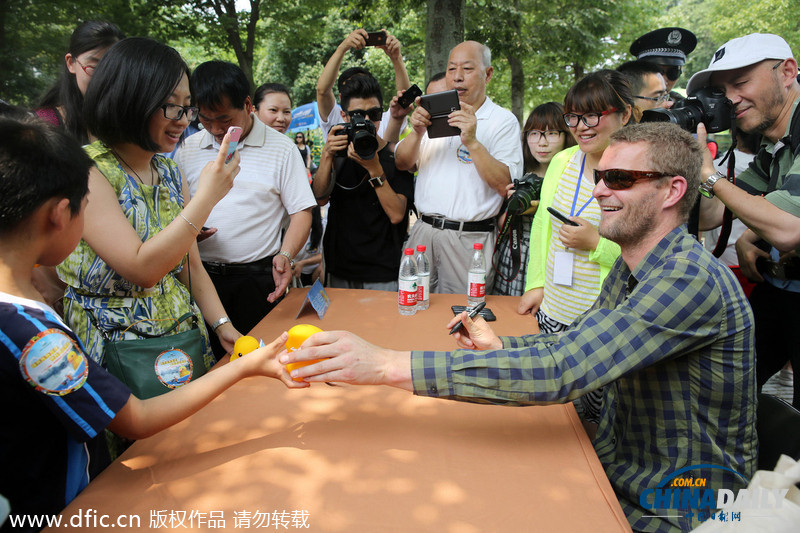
423,278
476,280
407,284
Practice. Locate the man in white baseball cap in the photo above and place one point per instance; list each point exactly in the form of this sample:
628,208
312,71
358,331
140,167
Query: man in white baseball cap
758,73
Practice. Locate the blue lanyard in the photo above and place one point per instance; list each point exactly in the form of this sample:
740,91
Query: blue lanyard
572,212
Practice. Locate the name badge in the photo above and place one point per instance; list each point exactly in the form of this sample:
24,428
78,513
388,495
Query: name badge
562,268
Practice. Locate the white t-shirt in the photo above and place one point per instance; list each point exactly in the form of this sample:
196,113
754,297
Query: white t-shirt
448,184
271,185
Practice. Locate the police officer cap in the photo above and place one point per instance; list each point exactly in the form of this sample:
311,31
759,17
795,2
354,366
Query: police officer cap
668,46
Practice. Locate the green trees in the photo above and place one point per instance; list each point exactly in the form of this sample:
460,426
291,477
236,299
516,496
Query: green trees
540,47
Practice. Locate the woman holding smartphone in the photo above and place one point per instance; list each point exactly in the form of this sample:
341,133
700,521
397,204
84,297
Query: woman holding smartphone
568,263
130,266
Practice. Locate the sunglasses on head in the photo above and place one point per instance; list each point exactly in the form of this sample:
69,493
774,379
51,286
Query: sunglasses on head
619,179
374,114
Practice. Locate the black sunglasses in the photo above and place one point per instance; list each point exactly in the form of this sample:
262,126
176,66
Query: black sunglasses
619,179
671,72
373,114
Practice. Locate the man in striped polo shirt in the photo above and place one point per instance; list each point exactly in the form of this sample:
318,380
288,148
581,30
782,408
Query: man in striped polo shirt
248,258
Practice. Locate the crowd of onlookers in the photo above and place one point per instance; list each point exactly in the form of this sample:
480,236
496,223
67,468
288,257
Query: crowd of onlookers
169,226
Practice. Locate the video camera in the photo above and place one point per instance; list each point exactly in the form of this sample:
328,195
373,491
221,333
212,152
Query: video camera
708,105
361,132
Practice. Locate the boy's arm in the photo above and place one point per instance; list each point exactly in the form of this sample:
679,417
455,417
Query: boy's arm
325,98
139,419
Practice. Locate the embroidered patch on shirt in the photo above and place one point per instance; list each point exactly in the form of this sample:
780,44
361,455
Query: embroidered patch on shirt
174,368
53,363
463,155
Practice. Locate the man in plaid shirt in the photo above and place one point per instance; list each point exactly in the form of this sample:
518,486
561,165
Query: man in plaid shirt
670,337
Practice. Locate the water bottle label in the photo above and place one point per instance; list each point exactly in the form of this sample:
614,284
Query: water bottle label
422,288
407,293
477,284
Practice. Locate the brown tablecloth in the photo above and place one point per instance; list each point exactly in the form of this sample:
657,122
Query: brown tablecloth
362,459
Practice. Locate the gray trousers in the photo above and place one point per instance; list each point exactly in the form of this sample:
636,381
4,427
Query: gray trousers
450,254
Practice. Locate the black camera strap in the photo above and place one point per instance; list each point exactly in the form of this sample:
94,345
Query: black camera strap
338,167
727,215
511,233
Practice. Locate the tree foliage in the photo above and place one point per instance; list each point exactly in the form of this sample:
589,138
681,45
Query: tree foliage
540,47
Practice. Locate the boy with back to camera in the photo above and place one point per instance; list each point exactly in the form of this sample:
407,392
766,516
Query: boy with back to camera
58,401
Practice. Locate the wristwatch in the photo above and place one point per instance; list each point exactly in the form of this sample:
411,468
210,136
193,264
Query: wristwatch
218,323
377,181
707,187
288,256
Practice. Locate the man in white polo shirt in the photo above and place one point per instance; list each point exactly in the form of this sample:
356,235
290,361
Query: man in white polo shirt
462,179
248,258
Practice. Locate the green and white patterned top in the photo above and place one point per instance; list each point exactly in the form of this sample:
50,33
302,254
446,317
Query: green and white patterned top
113,301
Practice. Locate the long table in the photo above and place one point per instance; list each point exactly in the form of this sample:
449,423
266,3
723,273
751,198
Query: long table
361,459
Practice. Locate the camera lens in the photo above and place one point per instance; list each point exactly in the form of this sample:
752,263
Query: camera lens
365,144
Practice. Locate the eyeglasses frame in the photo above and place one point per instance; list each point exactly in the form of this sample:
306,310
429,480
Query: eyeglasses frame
191,112
581,117
544,134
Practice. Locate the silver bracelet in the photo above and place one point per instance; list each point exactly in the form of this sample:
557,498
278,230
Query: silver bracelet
288,256
218,323
189,222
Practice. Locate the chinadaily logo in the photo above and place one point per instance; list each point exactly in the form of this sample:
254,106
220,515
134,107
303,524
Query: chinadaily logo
689,494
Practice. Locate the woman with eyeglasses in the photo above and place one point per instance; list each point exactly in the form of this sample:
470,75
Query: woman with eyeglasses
543,136
62,105
140,226
569,262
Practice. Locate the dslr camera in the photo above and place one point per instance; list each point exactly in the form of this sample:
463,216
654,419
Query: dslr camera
708,105
361,132
525,199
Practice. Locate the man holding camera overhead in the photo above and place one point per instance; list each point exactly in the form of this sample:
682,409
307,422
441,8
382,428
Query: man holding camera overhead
369,196
758,73
462,179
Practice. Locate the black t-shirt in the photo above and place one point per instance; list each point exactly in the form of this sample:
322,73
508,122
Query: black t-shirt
361,243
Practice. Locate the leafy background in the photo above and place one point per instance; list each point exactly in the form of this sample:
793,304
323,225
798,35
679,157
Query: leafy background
549,43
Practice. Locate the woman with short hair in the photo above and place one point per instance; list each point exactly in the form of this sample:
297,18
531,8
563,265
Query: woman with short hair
130,266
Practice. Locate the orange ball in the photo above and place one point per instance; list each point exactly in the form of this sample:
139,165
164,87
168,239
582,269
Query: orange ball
297,336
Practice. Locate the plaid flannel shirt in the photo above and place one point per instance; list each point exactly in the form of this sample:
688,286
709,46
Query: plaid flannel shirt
672,341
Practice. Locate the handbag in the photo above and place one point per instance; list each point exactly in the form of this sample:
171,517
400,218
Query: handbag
155,364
